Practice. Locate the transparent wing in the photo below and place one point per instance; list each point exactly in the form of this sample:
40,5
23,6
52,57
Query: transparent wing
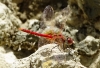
48,13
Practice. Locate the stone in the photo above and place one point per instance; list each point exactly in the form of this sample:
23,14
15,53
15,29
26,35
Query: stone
89,46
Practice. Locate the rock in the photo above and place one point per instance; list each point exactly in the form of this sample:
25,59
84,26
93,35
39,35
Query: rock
21,63
97,25
33,24
4,11
10,35
72,18
6,58
38,6
86,6
8,24
89,46
51,56
2,50
17,1
3,63
23,51
95,61
86,30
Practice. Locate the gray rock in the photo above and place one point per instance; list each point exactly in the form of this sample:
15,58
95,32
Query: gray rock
89,46
49,55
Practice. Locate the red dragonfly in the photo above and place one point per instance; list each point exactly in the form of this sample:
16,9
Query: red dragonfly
60,39
69,40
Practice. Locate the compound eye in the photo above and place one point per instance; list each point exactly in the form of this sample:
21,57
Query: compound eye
69,41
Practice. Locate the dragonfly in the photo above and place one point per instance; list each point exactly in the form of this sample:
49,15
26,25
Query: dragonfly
50,37
54,37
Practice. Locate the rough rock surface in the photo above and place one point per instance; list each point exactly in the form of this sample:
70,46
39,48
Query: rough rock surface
89,45
46,56
78,20
9,30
